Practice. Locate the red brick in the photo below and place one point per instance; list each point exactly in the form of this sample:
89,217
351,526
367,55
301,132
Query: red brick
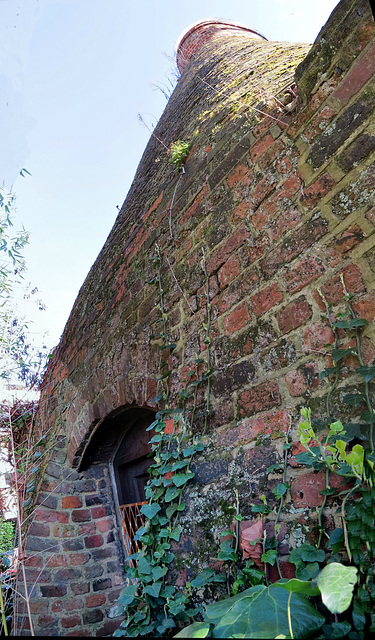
57,606
229,271
260,398
229,246
81,515
260,147
38,529
77,559
71,502
95,600
303,379
305,489
266,299
313,194
93,541
304,272
256,248
237,319
237,174
46,621
73,605
57,561
47,515
365,307
263,188
316,336
154,206
357,77
104,525
240,212
273,204
98,512
294,315
286,221
333,291
71,621
349,239
275,423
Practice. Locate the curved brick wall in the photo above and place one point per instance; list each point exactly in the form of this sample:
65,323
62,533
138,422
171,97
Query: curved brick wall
282,206
197,35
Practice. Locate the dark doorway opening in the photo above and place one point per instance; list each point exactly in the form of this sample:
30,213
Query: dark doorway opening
122,440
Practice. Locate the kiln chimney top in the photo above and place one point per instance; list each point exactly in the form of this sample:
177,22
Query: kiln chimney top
196,34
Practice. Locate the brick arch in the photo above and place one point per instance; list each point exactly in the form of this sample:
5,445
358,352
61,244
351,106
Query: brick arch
107,434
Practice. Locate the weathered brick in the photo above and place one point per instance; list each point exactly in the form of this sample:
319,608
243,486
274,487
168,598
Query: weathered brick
81,515
357,151
302,379
301,239
266,299
365,307
259,398
287,220
333,290
102,584
349,239
53,591
95,600
73,605
294,315
71,621
37,529
258,149
357,77
237,174
93,541
78,558
229,271
275,423
301,274
313,194
80,588
222,253
71,502
236,319
316,336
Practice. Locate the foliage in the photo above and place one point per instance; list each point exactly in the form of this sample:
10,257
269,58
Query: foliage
179,151
20,358
152,606
6,535
329,598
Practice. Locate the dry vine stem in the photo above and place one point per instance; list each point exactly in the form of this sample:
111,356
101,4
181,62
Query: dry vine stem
19,522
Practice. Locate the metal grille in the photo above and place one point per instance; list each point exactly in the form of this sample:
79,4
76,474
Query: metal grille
131,520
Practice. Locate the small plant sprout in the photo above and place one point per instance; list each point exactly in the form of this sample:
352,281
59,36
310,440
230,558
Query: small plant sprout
179,151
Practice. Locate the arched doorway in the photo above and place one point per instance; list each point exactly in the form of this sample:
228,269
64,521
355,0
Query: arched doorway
122,441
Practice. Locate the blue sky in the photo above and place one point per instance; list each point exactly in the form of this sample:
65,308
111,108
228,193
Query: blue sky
74,74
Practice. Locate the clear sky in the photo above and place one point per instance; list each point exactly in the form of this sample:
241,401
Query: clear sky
74,74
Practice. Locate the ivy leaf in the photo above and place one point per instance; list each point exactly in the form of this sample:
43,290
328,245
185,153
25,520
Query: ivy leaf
176,534
354,399
128,595
336,540
336,583
153,589
339,354
150,510
280,489
311,554
298,586
327,372
157,398
368,373
269,557
203,578
159,572
143,566
180,464
171,494
182,478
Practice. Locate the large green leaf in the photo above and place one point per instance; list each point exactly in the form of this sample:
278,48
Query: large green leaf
336,583
265,615
195,630
298,586
150,510
128,594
